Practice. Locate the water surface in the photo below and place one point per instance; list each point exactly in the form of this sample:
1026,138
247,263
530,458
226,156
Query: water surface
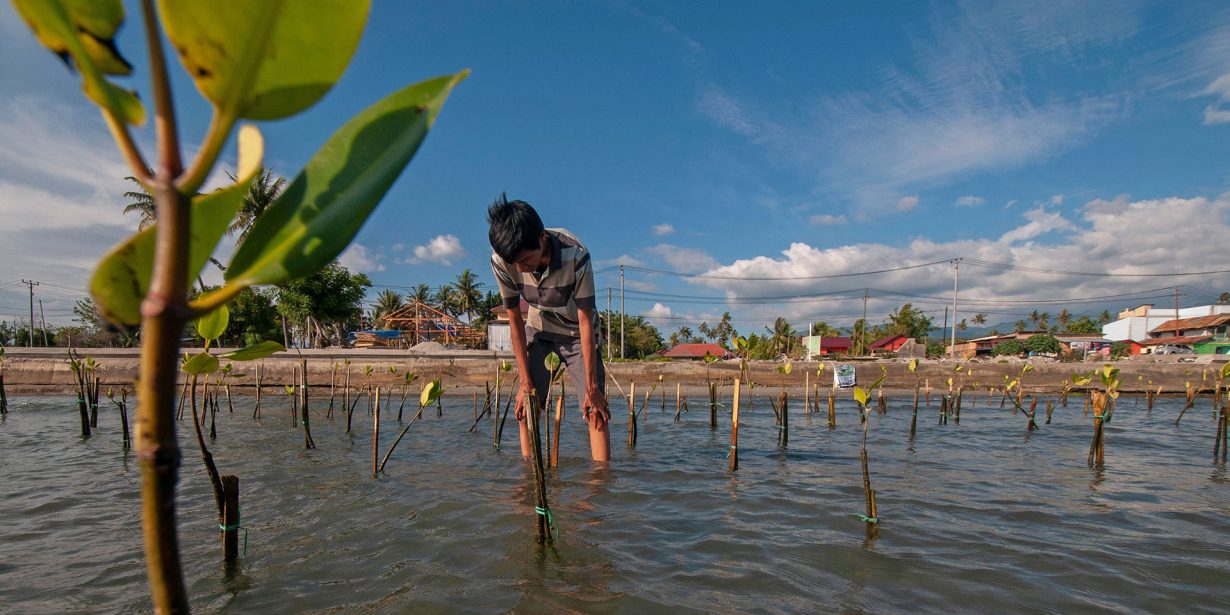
976,517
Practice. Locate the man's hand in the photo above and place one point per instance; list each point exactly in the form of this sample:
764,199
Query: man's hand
523,400
597,414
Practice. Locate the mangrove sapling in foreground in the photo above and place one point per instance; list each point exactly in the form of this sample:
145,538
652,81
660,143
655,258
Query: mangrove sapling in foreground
913,367
431,393
544,522
122,406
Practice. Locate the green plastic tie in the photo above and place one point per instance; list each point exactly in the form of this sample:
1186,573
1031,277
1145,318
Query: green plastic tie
732,450
867,519
231,528
546,512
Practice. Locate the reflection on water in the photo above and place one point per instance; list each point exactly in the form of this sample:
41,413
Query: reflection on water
981,516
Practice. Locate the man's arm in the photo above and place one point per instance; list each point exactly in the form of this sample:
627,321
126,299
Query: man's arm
516,330
594,400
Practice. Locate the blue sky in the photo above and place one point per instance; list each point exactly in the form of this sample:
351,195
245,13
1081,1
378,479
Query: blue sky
730,156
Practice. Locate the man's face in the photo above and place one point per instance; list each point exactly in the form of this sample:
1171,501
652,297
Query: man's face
530,261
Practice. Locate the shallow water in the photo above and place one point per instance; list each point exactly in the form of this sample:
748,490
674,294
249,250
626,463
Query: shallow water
976,517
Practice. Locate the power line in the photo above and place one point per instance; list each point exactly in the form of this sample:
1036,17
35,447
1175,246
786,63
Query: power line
1010,266
708,276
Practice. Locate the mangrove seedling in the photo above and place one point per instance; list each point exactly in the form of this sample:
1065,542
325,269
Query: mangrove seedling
431,392
261,61
122,406
871,518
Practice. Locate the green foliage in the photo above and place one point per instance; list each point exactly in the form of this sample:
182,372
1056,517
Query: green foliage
211,325
123,277
431,392
1043,343
256,351
331,296
201,364
909,321
1009,348
720,333
267,63
84,31
253,319
935,350
1120,350
322,209
641,339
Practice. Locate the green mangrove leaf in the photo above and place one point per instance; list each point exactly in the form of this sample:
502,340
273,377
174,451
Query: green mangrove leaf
1029,367
551,362
290,389
264,60
315,218
1225,369
84,30
950,382
410,377
787,368
1079,380
122,278
505,365
913,365
431,392
201,364
708,358
255,351
212,325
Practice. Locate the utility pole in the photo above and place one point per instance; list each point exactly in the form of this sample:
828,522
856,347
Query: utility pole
43,319
956,268
608,323
31,284
944,331
863,333
1177,330
621,311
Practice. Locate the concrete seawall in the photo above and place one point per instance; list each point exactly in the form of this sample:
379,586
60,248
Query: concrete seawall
45,371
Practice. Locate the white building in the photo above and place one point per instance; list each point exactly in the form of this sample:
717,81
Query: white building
1136,323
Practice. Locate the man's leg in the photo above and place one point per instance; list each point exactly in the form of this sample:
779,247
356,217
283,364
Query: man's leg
536,352
600,437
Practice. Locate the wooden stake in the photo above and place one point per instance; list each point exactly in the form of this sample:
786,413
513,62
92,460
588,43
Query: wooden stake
230,519
559,417
632,416
256,412
308,442
1048,412
734,430
832,410
332,390
376,436
712,405
542,517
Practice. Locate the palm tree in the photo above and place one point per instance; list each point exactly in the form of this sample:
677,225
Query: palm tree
1034,317
1044,321
143,203
466,293
263,191
1020,326
780,336
980,319
1105,317
446,300
1064,318
421,293
387,302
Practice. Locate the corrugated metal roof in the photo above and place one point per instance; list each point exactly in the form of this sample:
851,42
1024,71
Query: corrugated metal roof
1198,322
885,341
1176,339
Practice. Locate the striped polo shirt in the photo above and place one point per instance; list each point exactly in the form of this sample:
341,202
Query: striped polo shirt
556,294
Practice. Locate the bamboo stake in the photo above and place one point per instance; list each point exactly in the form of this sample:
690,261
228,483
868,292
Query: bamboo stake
230,519
784,437
632,415
1191,401
229,406
4,399
346,395
734,430
1048,412
308,442
332,390
712,405
256,412
1033,408
881,402
806,397
678,400
832,409
559,417
183,395
543,522
376,436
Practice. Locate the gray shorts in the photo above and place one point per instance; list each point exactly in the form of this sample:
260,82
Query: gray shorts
569,351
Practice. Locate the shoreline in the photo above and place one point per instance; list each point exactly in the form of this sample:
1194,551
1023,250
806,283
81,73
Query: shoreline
45,371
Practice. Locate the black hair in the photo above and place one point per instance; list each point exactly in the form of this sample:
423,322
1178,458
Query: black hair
514,228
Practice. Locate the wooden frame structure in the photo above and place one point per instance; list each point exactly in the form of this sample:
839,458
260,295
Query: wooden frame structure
420,322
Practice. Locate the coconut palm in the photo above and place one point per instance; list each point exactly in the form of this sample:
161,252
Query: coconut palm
387,302
466,293
446,300
142,203
264,189
1064,318
980,319
421,293
780,336
1020,326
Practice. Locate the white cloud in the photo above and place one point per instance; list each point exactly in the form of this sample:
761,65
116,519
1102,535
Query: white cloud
622,259
663,229
444,249
683,260
907,203
970,201
1056,199
1213,115
1116,236
358,258
658,311
1040,222
827,220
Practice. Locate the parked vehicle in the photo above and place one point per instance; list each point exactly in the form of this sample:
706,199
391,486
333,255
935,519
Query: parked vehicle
1171,349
